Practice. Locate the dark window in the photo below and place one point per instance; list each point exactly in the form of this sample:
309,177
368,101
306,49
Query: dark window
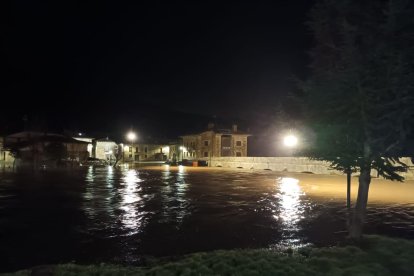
145,156
238,154
136,157
206,143
136,149
130,149
130,156
146,149
206,154
238,143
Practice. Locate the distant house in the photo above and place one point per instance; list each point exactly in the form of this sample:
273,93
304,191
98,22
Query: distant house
137,152
214,142
41,146
104,148
88,140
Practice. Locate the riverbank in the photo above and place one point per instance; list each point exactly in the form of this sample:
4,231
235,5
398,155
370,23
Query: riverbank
375,255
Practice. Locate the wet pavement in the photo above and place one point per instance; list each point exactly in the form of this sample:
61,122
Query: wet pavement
94,215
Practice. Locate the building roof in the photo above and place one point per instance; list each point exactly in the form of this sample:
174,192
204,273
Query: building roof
37,137
105,139
219,129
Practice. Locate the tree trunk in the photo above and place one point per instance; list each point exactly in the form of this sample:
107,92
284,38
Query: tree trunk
361,203
348,198
348,189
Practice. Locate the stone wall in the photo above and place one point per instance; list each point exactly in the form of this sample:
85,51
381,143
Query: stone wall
290,164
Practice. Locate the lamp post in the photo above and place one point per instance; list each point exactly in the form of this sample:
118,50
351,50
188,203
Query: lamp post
131,137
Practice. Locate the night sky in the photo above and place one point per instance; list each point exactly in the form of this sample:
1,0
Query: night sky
159,66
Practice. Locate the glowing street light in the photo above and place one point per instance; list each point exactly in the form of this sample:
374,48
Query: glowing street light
131,136
290,141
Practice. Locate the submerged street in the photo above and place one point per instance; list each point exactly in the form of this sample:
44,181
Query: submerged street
124,215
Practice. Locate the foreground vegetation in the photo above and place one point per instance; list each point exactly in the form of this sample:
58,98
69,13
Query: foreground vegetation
373,256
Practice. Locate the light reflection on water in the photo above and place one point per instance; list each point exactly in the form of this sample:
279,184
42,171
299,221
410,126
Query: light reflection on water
290,210
129,191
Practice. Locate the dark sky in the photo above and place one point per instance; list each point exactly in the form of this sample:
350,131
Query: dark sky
100,62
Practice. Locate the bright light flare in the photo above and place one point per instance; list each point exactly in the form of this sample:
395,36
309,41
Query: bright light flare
131,136
290,141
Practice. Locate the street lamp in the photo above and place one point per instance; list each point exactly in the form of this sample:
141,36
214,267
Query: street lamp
131,137
290,141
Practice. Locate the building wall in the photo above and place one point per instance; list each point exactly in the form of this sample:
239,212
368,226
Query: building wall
174,152
145,152
242,149
103,149
190,143
90,144
216,147
78,152
209,144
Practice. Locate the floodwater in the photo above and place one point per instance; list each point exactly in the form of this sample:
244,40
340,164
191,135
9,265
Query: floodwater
123,215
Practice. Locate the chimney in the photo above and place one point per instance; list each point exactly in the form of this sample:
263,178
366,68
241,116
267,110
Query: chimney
210,126
234,128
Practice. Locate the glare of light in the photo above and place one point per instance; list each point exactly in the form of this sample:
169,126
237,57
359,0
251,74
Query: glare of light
80,133
290,182
166,149
289,200
131,136
131,218
110,152
126,148
110,176
180,168
290,141
181,147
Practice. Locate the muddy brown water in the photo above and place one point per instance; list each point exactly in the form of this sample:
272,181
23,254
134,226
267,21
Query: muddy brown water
124,215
